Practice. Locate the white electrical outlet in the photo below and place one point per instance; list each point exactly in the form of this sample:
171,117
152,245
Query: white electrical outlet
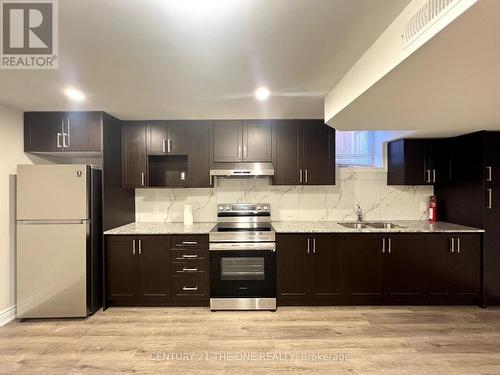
156,209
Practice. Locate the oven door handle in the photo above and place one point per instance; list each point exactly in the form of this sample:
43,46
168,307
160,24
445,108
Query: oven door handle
251,246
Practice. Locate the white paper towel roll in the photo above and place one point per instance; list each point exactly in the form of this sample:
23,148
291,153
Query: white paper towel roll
188,214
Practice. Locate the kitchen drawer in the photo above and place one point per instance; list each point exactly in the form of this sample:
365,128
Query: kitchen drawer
189,254
190,286
191,241
190,267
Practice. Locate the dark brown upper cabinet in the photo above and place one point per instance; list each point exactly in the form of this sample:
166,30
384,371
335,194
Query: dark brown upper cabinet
303,153
257,135
318,153
199,154
167,137
242,141
134,160
418,162
63,131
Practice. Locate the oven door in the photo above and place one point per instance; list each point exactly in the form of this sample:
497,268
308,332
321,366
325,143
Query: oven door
242,270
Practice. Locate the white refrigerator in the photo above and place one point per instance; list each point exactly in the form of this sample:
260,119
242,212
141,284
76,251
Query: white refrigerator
59,246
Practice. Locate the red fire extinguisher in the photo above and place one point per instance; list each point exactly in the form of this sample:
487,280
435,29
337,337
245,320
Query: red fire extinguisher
432,209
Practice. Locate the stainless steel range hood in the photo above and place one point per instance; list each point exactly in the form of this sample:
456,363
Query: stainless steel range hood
244,170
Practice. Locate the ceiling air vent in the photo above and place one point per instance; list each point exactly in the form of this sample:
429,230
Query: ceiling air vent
429,13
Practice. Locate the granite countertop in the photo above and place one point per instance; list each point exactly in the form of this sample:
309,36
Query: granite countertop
294,227
162,228
404,227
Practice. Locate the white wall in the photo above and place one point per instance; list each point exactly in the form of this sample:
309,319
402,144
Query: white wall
11,154
366,186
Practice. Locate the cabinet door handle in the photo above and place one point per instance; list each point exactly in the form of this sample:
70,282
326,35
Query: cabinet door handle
190,242
59,140
490,199
133,247
189,269
458,245
143,179
389,247
314,245
433,175
489,171
68,133
300,175
306,177
452,249
239,152
245,152
190,288
189,256
163,145
308,246
428,172
169,145
383,245
140,247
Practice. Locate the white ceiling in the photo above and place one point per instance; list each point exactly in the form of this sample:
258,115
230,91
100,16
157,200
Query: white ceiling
201,58
450,86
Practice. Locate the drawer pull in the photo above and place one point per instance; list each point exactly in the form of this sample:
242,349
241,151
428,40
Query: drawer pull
190,242
189,269
189,256
190,289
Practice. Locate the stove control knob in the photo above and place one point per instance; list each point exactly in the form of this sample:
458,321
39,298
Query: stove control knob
228,208
259,208
221,208
265,207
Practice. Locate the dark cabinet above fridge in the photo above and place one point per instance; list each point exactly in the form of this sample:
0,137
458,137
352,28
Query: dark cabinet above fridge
48,132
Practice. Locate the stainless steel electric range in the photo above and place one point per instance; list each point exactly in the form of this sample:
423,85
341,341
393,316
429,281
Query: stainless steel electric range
243,258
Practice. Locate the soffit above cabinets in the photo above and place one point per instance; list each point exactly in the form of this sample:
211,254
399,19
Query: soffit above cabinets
448,86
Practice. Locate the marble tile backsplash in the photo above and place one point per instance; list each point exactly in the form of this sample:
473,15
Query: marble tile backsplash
368,188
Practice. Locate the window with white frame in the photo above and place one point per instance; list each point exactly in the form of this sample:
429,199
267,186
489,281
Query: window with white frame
363,148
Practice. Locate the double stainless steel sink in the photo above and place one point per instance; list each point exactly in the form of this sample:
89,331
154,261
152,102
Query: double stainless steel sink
377,225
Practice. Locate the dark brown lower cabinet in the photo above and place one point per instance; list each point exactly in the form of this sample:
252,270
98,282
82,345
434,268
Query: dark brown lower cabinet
404,268
453,269
137,270
156,270
122,277
310,268
367,268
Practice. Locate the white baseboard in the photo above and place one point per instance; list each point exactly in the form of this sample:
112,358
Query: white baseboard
7,315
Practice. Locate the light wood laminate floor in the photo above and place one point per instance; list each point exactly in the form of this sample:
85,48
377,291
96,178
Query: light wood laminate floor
354,340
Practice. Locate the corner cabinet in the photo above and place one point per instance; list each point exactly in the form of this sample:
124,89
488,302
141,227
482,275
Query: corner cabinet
63,131
303,152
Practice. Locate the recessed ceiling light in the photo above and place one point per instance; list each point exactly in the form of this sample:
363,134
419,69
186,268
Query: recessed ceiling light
262,93
74,94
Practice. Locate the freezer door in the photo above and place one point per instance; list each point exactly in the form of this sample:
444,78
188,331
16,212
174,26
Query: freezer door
51,270
52,192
